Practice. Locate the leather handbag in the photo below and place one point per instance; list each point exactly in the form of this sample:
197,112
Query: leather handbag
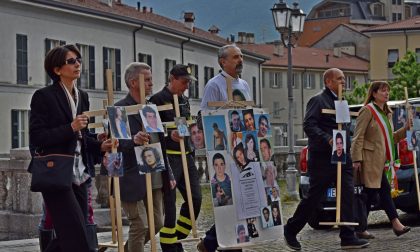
52,172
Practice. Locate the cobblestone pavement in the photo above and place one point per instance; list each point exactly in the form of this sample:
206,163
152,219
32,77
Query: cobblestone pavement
311,240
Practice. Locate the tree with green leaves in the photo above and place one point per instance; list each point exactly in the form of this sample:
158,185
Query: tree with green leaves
407,74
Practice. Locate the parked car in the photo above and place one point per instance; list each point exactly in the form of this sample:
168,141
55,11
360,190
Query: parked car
405,201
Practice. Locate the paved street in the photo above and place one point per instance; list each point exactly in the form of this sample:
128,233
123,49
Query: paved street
312,240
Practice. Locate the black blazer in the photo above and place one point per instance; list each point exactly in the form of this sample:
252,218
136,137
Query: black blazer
319,126
50,124
132,184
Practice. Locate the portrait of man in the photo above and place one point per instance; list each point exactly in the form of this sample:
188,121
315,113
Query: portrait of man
249,121
274,194
236,124
275,212
265,149
266,217
242,234
263,126
151,119
252,229
339,154
150,158
197,137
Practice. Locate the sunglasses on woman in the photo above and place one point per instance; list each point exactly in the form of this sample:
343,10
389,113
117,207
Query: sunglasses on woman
72,61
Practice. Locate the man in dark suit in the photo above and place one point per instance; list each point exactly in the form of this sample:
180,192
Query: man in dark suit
132,184
319,129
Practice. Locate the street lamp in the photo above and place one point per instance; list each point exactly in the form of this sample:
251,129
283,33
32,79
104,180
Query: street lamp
289,23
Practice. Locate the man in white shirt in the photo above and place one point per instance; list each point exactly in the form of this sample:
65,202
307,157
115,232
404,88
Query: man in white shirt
230,60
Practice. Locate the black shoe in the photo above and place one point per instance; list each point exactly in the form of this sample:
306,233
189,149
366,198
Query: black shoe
401,232
291,240
354,243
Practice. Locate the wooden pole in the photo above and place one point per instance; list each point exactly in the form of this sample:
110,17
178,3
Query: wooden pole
186,174
149,187
416,176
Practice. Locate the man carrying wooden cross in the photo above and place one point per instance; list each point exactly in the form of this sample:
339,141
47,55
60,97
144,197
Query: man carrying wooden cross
132,184
319,129
174,230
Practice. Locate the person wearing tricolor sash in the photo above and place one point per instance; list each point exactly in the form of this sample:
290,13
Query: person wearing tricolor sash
373,151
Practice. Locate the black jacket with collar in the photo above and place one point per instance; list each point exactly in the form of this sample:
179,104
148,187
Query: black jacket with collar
50,130
319,126
132,184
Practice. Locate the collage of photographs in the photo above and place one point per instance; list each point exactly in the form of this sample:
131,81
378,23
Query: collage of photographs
242,170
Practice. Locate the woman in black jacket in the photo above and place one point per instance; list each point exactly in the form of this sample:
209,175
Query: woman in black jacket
57,126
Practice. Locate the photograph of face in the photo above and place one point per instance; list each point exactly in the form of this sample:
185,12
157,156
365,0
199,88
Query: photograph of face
197,137
239,156
264,128
252,229
266,217
269,174
181,125
339,147
113,163
251,147
220,182
235,139
120,128
235,120
242,233
275,212
215,132
151,119
265,150
150,158
249,121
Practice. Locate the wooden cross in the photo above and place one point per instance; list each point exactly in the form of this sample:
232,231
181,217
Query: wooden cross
407,108
338,222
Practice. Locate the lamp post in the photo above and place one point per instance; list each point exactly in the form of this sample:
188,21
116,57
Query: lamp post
289,23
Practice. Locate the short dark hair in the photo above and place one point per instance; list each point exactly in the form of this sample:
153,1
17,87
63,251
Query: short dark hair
265,140
218,156
262,117
338,135
234,112
148,109
56,57
155,153
241,227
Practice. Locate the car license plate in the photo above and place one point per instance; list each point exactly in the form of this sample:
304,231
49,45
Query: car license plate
331,193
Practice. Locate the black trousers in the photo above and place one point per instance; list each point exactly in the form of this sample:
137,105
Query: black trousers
321,174
68,211
385,199
178,229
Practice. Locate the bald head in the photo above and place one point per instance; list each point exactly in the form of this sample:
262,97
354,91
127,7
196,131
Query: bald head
334,77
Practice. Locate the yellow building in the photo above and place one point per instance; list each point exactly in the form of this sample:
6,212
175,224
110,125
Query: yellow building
390,42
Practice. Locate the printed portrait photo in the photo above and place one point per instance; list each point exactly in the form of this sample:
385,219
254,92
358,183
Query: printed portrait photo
263,125
242,233
235,121
181,125
251,148
249,120
150,158
275,213
235,139
269,174
252,228
339,147
151,119
221,184
197,137
266,217
215,132
113,163
266,152
120,129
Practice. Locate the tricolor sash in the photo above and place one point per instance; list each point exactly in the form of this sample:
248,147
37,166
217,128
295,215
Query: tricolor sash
392,164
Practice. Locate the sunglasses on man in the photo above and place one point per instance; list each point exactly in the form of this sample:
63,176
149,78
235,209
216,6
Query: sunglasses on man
72,61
